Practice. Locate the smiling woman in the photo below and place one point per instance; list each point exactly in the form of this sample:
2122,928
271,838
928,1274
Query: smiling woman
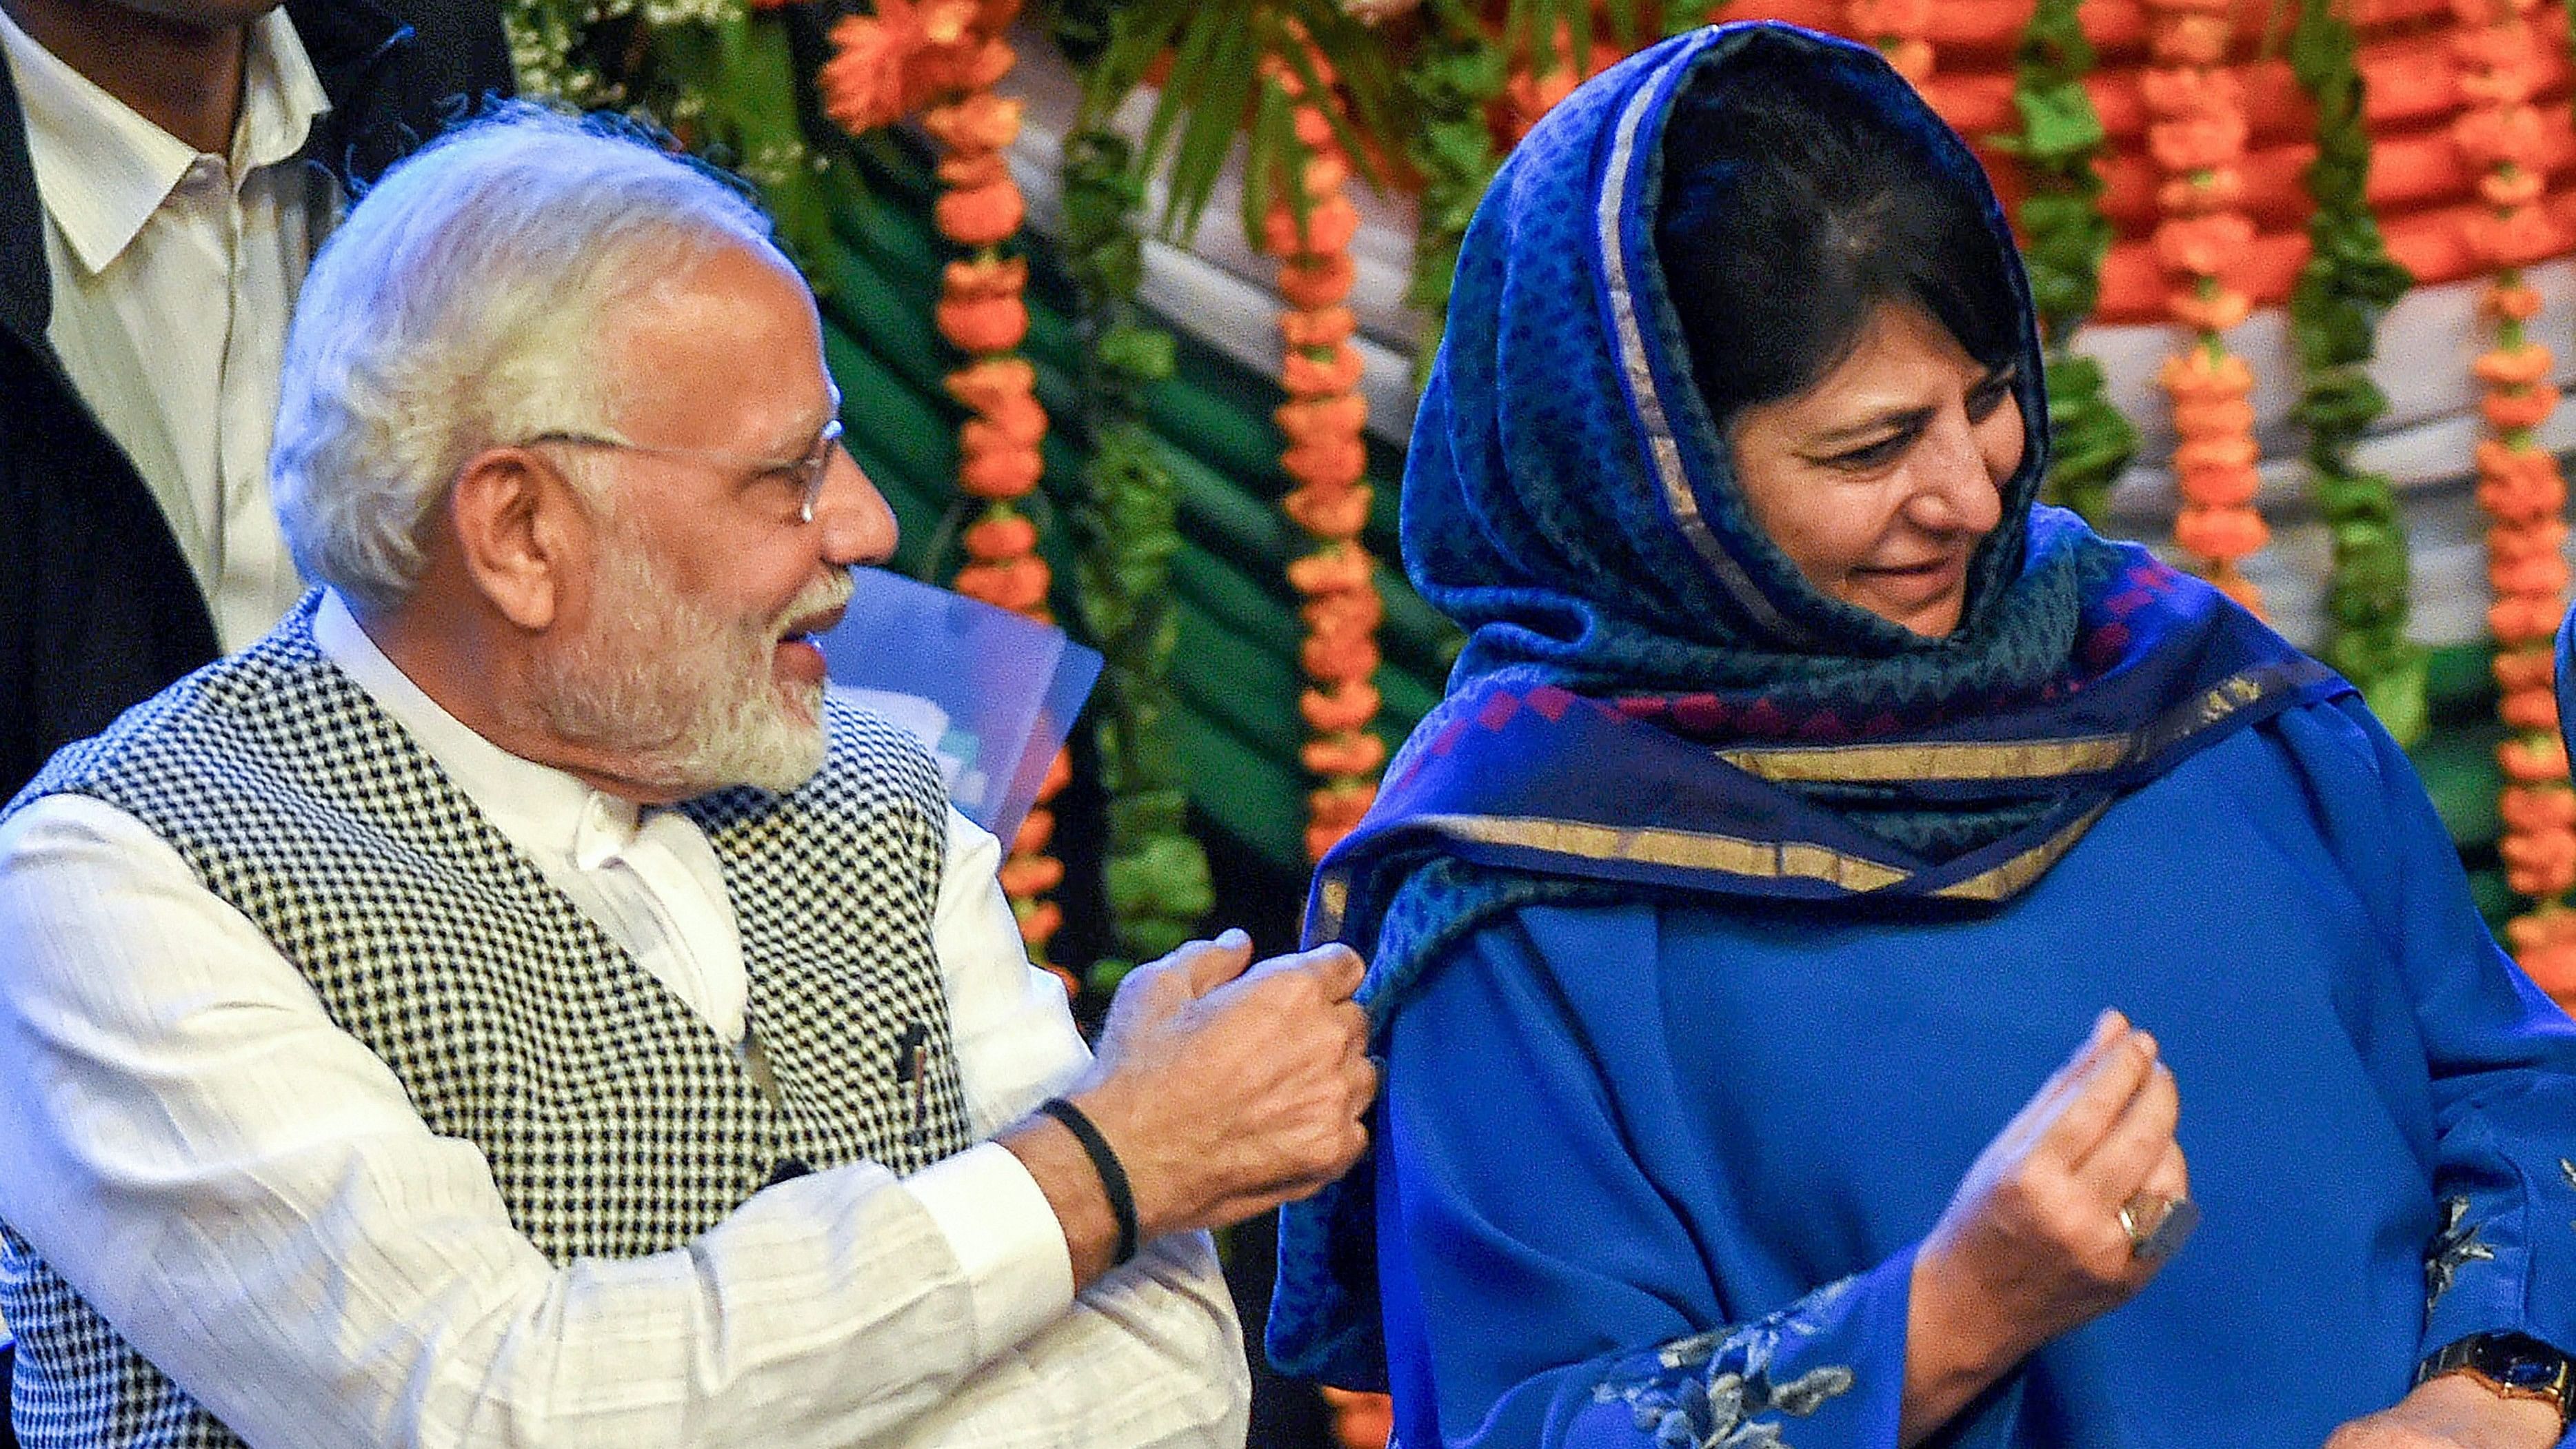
1851,322
1880,481
1847,922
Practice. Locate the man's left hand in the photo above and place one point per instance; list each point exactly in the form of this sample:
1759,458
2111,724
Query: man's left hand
2453,1412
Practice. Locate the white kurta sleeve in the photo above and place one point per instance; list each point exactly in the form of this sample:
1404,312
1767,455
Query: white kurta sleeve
245,1192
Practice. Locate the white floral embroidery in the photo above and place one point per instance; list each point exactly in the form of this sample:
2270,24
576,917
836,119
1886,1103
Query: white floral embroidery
1708,1389
2453,1248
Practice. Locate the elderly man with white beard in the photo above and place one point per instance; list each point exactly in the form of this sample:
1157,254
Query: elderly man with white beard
509,1005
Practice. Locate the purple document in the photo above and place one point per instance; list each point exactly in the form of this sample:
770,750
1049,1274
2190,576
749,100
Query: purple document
992,694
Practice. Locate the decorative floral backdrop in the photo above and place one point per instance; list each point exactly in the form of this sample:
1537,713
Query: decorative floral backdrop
2184,159
1222,536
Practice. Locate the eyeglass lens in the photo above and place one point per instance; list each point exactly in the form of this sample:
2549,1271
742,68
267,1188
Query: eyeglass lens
817,466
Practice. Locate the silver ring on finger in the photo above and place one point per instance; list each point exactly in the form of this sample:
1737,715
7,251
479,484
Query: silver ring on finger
2157,1224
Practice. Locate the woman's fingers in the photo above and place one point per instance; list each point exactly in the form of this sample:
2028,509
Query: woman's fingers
2037,1114
2035,1235
2100,1095
2108,1028
2171,1176
2136,1140
2160,1216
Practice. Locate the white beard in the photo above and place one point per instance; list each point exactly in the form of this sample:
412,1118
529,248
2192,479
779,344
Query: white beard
683,694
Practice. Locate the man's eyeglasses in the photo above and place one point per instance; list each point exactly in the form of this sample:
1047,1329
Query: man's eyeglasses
804,475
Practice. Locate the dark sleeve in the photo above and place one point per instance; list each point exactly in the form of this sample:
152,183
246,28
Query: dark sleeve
2500,1056
1539,1288
462,51
98,608
399,72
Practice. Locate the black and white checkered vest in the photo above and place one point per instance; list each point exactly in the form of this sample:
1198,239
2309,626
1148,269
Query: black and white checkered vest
616,1122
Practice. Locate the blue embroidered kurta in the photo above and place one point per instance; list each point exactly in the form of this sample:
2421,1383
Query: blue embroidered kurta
1654,1173
1716,924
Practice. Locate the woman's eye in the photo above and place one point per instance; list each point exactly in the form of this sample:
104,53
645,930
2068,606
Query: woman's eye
1989,396
1873,455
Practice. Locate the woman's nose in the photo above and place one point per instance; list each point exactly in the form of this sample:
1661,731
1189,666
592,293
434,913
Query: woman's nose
857,524
1956,488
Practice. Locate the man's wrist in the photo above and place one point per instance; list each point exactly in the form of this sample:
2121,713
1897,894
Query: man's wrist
1063,1172
1105,1166
1123,1110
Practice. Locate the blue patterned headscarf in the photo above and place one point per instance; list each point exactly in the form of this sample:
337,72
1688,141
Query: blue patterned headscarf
1652,700
1568,498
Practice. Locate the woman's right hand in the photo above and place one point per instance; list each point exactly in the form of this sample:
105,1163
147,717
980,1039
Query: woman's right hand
2033,1243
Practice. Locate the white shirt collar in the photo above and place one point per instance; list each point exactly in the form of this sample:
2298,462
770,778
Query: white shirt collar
103,170
542,810
281,98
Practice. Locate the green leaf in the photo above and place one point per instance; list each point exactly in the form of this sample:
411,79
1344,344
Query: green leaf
1144,353
2091,441
1271,158
1225,86
2057,122
1139,32
2346,286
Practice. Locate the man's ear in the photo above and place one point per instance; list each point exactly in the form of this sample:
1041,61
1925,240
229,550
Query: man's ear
520,533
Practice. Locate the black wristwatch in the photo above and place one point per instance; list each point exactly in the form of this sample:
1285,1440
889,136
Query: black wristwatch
2515,1365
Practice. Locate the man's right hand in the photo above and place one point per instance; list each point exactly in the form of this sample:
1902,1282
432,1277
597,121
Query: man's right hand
1225,1089
1228,1088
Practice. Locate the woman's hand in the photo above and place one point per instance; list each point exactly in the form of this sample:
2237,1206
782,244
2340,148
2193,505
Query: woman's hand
2453,1412
2034,1242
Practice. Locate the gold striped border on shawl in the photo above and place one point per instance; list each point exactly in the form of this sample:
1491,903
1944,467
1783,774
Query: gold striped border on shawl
1332,903
2002,882
1692,850
1681,849
1959,761
2022,759
1800,860
1628,335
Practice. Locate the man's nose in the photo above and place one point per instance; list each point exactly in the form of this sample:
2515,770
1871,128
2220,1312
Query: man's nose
857,525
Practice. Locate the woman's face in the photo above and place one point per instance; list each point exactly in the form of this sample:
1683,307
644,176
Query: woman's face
1879,481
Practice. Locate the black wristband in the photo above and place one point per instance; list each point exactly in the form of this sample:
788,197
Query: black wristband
1113,1178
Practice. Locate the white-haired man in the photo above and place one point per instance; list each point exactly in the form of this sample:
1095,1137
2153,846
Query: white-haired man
506,1005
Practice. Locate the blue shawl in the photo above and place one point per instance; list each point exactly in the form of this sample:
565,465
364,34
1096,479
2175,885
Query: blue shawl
1651,700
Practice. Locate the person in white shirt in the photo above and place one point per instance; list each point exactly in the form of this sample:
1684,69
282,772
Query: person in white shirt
167,168
509,1005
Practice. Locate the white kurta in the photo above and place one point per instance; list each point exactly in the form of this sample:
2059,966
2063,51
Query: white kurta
173,1093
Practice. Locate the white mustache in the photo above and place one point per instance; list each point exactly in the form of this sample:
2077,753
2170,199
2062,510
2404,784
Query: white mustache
832,591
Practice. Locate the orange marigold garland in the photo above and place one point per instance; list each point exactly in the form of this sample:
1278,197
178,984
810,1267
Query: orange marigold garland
1546,73
2196,132
1896,28
889,65
1326,456
2519,485
1327,460
946,55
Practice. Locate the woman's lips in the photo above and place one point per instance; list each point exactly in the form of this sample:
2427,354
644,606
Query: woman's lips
1928,579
